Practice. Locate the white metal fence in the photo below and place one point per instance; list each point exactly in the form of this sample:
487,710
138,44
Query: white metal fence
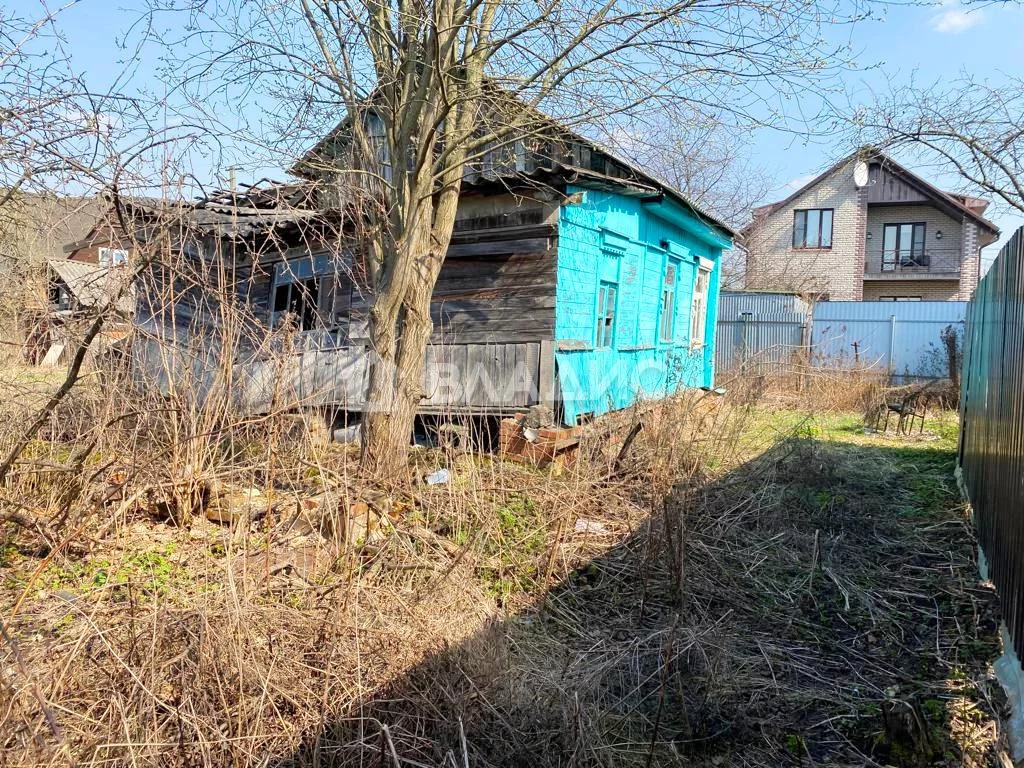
760,332
766,332
902,338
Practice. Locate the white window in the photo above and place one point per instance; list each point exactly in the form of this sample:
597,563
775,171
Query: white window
113,257
668,303
699,309
605,315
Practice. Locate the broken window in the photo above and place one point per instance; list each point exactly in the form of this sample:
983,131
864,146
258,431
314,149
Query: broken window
668,303
605,315
296,292
298,300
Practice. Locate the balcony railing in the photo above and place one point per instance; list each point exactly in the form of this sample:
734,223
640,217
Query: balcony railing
930,261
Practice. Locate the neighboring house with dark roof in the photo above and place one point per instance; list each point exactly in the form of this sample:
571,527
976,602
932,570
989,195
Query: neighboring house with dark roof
105,244
33,231
869,229
81,278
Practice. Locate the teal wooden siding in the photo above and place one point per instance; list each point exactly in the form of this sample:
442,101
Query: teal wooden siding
611,239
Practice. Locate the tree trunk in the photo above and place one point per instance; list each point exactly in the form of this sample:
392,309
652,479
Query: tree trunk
422,210
400,328
395,394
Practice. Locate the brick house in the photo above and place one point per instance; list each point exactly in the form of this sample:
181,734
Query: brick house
868,229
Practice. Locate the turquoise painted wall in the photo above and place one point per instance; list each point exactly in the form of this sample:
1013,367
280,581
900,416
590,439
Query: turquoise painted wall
611,240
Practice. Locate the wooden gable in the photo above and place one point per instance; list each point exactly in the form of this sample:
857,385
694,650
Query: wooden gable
884,186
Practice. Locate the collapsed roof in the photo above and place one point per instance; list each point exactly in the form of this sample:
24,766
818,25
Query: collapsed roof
93,286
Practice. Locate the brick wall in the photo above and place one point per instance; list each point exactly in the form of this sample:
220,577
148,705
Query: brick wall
934,220
860,235
773,263
971,266
928,290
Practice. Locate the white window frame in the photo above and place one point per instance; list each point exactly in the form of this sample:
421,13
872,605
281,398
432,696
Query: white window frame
112,257
604,335
699,305
669,290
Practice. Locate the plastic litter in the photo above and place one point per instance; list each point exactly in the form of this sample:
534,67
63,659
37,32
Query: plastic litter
440,477
590,526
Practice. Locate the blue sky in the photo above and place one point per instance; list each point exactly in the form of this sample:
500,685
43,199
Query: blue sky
920,44
909,43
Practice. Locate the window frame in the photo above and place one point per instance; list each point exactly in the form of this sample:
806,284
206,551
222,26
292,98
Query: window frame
921,259
377,138
804,246
699,306
306,276
305,292
107,256
900,298
668,307
604,327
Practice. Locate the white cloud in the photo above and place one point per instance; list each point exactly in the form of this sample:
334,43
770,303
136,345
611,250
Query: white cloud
794,184
954,18
92,122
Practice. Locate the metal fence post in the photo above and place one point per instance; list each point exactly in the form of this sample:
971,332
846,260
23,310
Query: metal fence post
892,345
806,342
745,320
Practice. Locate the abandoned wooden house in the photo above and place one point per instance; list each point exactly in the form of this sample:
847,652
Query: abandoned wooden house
573,280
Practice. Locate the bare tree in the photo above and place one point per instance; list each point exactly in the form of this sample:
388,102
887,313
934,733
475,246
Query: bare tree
61,135
62,143
972,127
425,88
704,156
48,123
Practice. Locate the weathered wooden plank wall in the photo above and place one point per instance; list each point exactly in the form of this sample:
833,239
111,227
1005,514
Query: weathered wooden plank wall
493,307
458,378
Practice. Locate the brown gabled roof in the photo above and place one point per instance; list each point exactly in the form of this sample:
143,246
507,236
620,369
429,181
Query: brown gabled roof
301,167
871,155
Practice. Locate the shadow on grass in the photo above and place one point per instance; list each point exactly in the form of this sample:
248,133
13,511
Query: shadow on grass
818,605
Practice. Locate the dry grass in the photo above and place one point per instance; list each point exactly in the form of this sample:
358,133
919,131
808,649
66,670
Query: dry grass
699,603
813,388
